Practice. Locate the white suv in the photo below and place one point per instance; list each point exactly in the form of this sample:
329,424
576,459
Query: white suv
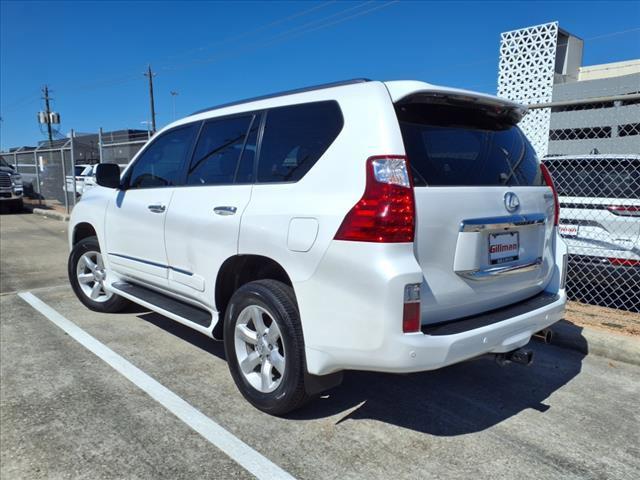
394,227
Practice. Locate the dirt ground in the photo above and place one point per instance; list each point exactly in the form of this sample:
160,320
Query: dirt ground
603,318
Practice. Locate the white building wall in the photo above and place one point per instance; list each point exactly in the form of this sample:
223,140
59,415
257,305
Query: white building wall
526,75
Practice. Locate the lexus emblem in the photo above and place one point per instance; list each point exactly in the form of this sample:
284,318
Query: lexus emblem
511,201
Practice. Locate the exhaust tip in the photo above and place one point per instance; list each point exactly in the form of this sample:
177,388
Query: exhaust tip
544,336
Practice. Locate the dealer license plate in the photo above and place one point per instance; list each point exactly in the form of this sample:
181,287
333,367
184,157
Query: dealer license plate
568,230
503,247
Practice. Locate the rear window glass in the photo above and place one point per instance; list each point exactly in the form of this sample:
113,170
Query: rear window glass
295,138
456,146
599,177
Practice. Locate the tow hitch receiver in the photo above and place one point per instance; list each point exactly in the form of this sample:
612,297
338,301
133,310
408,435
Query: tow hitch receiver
520,355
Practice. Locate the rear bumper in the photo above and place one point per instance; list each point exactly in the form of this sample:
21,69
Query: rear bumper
351,315
405,353
439,349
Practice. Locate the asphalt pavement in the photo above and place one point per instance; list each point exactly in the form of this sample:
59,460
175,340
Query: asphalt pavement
66,413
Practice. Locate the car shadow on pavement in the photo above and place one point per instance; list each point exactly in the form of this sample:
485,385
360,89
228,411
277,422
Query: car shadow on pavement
185,333
460,399
6,210
456,400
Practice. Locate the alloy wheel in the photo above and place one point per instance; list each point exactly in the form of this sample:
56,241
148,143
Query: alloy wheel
91,276
259,348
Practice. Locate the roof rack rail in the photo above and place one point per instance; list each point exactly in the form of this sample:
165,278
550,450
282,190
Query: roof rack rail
286,92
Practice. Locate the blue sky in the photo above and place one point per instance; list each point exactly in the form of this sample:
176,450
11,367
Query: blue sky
93,54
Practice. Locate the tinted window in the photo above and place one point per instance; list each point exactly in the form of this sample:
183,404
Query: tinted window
595,177
295,138
245,168
219,147
160,164
449,146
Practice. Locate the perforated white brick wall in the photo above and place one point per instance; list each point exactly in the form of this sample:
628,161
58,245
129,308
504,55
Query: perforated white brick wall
526,73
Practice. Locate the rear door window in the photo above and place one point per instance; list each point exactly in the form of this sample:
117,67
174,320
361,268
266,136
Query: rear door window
245,170
295,137
456,146
219,147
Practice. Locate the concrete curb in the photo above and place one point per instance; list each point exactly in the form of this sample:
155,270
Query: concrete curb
51,214
591,341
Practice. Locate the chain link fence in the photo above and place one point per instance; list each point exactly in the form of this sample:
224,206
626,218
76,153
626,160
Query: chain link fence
55,174
600,222
120,147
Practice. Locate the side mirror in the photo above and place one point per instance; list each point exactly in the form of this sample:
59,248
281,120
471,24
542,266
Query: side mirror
108,175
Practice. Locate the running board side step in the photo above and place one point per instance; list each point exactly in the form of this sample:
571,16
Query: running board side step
178,308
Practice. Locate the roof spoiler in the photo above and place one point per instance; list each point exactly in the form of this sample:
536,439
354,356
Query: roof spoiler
514,112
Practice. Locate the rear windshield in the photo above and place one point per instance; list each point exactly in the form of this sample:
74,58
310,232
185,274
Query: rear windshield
595,177
462,146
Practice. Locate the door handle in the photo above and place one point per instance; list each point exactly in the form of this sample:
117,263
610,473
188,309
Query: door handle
157,208
224,210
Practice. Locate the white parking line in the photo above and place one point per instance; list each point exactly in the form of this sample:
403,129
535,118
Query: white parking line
255,463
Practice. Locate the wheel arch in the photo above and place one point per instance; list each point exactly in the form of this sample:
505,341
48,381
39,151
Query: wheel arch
81,231
238,270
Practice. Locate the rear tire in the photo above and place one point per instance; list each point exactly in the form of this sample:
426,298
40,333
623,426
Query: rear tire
264,346
87,276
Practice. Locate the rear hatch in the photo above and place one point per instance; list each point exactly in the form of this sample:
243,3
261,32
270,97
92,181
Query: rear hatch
484,216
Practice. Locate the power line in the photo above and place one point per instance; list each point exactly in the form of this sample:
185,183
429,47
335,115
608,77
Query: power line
358,14
288,34
612,34
278,38
133,77
305,26
20,101
493,59
260,28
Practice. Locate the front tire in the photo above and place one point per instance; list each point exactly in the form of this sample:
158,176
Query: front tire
265,347
87,276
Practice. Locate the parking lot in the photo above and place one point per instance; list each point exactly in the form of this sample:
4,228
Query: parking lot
66,413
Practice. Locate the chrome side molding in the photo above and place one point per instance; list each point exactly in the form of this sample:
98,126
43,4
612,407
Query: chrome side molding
502,223
493,272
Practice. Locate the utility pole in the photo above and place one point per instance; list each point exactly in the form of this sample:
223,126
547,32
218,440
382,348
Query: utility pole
45,92
173,98
150,75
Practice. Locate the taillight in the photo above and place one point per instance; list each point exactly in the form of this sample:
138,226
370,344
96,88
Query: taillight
549,181
625,210
624,262
411,308
386,211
